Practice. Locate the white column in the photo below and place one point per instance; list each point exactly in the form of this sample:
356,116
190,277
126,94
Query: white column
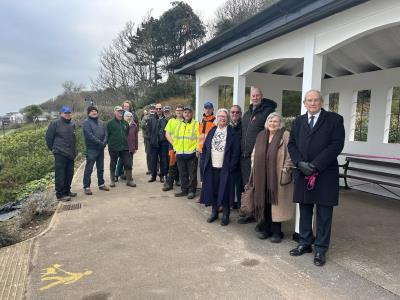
239,88
312,79
199,99
312,70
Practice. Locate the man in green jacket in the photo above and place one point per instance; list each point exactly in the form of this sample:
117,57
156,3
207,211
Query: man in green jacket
117,130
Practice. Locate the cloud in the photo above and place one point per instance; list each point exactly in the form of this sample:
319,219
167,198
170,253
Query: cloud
46,42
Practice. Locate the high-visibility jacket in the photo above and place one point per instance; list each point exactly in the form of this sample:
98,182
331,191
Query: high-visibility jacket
171,126
186,137
204,128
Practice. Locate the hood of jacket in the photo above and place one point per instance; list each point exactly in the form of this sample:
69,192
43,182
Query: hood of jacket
265,103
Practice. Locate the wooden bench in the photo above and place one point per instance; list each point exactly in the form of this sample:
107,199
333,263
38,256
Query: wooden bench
384,174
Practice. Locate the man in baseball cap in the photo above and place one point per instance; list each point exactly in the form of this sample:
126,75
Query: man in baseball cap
60,139
206,124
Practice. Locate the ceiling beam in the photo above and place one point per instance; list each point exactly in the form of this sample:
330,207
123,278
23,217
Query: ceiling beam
343,62
361,47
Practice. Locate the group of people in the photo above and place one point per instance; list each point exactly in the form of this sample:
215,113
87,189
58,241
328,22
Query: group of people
249,156
120,134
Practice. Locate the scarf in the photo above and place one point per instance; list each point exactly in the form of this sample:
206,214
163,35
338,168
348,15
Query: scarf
264,168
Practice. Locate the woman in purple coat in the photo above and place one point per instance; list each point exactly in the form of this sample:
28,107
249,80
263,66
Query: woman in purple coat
220,157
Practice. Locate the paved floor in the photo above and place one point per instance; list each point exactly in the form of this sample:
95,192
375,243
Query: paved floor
142,243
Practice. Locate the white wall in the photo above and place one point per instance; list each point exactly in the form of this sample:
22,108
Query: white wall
273,85
379,82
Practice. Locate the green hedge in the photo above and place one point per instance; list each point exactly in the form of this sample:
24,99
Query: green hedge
25,160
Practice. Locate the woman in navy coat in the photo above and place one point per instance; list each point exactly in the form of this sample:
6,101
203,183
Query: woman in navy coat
220,157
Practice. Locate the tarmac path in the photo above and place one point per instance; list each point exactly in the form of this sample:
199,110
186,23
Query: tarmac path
142,243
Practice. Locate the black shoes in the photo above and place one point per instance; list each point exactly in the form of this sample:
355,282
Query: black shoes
276,237
64,198
191,195
71,194
225,220
181,194
152,179
246,220
162,180
261,226
213,217
167,188
262,235
300,250
319,259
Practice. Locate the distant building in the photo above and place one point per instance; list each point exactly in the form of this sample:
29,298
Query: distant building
16,117
4,120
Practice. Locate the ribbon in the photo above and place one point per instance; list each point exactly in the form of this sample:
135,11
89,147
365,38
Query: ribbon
311,181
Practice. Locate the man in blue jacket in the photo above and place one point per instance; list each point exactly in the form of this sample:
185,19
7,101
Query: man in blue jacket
95,133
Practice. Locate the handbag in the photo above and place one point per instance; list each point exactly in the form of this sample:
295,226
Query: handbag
247,204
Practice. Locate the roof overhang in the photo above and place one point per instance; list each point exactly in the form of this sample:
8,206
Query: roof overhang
279,19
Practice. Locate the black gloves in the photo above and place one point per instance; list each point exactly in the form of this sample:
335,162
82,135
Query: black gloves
306,168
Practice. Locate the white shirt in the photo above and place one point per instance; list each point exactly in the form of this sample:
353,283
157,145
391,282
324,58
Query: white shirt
218,143
315,117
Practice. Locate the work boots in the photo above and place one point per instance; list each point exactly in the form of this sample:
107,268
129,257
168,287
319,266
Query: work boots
129,178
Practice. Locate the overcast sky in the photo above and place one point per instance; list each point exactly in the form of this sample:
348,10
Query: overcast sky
46,42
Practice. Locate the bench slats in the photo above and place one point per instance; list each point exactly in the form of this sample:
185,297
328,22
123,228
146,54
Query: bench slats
380,173
374,181
373,162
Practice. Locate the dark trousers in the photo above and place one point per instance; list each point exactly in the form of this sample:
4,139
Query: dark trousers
270,226
245,168
160,154
125,158
94,156
237,186
188,173
148,155
120,167
324,222
216,175
173,174
64,172
164,158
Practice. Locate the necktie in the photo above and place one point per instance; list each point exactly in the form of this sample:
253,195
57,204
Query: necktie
311,122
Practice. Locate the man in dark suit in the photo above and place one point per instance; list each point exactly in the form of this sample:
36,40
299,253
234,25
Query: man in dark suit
316,140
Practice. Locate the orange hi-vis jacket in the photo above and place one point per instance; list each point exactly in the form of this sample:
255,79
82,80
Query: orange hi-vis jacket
204,128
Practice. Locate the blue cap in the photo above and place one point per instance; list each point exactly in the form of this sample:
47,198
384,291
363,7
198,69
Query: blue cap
208,104
65,109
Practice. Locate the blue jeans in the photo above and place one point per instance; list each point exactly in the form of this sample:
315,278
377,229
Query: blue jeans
94,156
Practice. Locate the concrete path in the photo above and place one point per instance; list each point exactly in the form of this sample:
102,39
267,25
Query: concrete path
142,243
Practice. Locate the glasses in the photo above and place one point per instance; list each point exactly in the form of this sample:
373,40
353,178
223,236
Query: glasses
158,108
235,112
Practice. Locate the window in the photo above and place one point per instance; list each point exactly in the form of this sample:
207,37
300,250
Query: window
362,114
334,102
291,103
225,97
394,128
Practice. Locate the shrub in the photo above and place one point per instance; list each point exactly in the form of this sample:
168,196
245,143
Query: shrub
25,162
37,204
6,238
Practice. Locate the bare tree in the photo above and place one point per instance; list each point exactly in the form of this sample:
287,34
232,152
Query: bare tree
117,70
